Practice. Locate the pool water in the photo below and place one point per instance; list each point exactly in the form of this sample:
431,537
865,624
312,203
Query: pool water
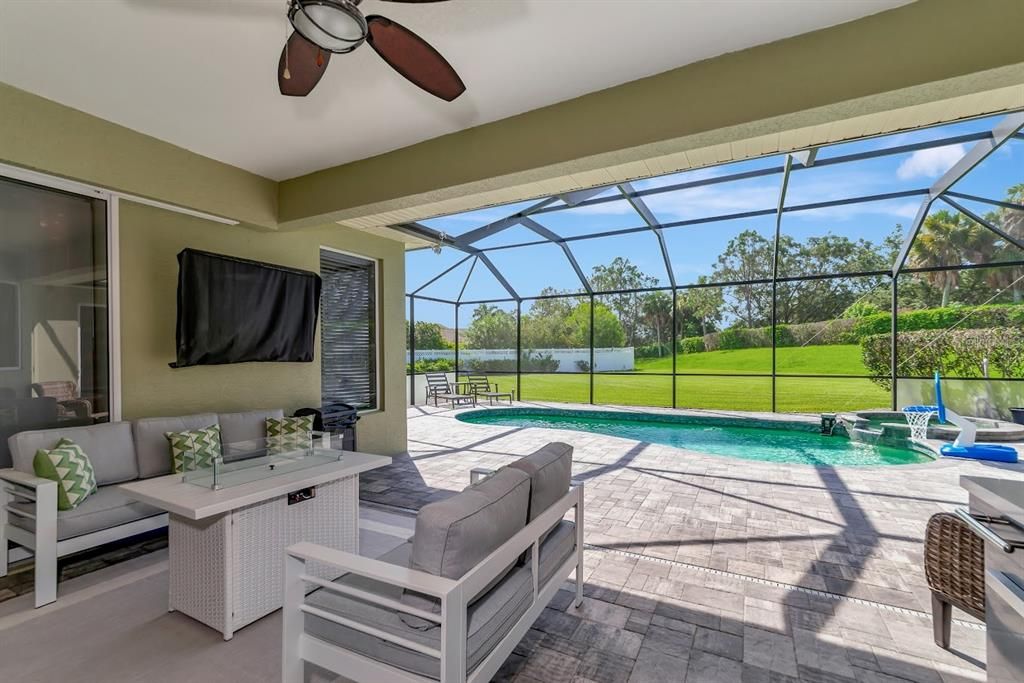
785,443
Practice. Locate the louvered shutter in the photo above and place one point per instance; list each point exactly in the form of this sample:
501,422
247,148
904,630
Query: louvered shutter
348,333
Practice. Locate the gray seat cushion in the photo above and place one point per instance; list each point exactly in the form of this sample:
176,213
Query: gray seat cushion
151,445
490,617
104,509
550,470
109,445
248,426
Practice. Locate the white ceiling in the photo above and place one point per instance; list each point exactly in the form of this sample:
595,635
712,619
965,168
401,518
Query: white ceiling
202,73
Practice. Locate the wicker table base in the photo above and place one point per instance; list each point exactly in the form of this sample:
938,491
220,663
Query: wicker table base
227,571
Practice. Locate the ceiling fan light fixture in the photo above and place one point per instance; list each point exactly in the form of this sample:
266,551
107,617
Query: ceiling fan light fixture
333,25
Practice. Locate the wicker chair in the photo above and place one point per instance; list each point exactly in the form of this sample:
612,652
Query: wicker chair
954,564
69,403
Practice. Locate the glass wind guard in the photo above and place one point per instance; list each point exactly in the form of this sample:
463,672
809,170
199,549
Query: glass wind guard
258,459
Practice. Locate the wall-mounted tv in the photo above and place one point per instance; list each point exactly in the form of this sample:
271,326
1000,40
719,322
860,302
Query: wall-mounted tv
232,310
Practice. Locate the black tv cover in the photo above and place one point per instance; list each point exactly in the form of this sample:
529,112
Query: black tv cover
233,310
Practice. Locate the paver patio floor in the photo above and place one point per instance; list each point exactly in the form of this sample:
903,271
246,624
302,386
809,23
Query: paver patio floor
707,568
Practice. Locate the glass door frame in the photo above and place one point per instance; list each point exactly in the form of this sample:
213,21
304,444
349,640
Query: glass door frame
110,200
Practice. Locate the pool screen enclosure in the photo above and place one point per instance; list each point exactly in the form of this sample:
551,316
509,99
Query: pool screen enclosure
766,284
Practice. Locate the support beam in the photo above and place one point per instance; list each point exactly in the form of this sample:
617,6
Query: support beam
424,233
732,216
893,341
574,198
519,350
774,170
775,264
466,281
414,228
442,274
498,276
1006,129
557,239
908,241
593,358
985,200
629,194
497,226
412,352
1017,242
805,157
486,231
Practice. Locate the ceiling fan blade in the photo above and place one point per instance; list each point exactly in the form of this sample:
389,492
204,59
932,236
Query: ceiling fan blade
414,1
414,58
306,64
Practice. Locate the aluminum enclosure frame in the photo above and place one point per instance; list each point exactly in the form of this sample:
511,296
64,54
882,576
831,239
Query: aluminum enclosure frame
1008,128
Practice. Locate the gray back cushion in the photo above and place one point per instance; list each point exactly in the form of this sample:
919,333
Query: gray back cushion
151,441
109,445
239,427
456,534
550,470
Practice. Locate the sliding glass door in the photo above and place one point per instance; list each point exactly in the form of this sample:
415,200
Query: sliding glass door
54,336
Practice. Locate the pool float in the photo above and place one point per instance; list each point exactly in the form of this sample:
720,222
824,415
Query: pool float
964,446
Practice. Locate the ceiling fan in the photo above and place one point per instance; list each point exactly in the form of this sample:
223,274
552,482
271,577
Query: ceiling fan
326,27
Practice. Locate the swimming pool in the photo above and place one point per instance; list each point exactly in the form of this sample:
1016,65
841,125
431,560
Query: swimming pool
750,439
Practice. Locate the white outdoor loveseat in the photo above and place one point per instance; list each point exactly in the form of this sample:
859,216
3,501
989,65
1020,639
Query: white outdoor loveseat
119,452
451,604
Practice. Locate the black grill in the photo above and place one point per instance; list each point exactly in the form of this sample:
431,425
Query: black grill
337,418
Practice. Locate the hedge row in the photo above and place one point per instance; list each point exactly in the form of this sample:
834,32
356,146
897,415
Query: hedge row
972,317
432,365
531,362
953,353
802,334
853,330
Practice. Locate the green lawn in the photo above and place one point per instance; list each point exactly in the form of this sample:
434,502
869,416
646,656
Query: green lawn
794,394
839,359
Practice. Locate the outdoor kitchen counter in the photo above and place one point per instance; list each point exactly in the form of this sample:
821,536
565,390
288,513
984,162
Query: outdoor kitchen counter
1004,573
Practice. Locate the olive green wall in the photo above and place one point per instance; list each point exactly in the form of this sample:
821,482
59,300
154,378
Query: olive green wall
150,240
42,135
923,52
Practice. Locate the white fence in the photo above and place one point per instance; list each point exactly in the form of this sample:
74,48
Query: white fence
569,360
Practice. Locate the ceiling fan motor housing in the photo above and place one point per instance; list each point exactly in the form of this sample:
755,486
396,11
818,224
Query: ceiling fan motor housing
333,25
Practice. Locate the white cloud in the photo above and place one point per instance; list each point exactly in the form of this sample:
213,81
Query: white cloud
929,163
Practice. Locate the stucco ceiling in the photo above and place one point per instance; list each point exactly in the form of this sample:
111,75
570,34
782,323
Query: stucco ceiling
201,73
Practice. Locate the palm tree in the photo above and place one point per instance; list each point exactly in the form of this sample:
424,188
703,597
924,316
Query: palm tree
1013,219
1012,222
948,239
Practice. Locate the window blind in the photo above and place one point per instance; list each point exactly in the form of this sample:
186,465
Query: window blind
348,332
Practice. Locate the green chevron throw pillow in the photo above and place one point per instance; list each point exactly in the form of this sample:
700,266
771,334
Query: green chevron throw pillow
286,434
194,449
69,466
288,426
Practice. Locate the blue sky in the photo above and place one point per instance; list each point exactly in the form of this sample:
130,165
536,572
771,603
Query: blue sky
694,249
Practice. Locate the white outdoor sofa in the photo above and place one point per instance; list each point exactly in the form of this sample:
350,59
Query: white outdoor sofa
451,604
119,452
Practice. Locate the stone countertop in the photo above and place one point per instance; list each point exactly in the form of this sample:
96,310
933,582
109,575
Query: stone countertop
1005,495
